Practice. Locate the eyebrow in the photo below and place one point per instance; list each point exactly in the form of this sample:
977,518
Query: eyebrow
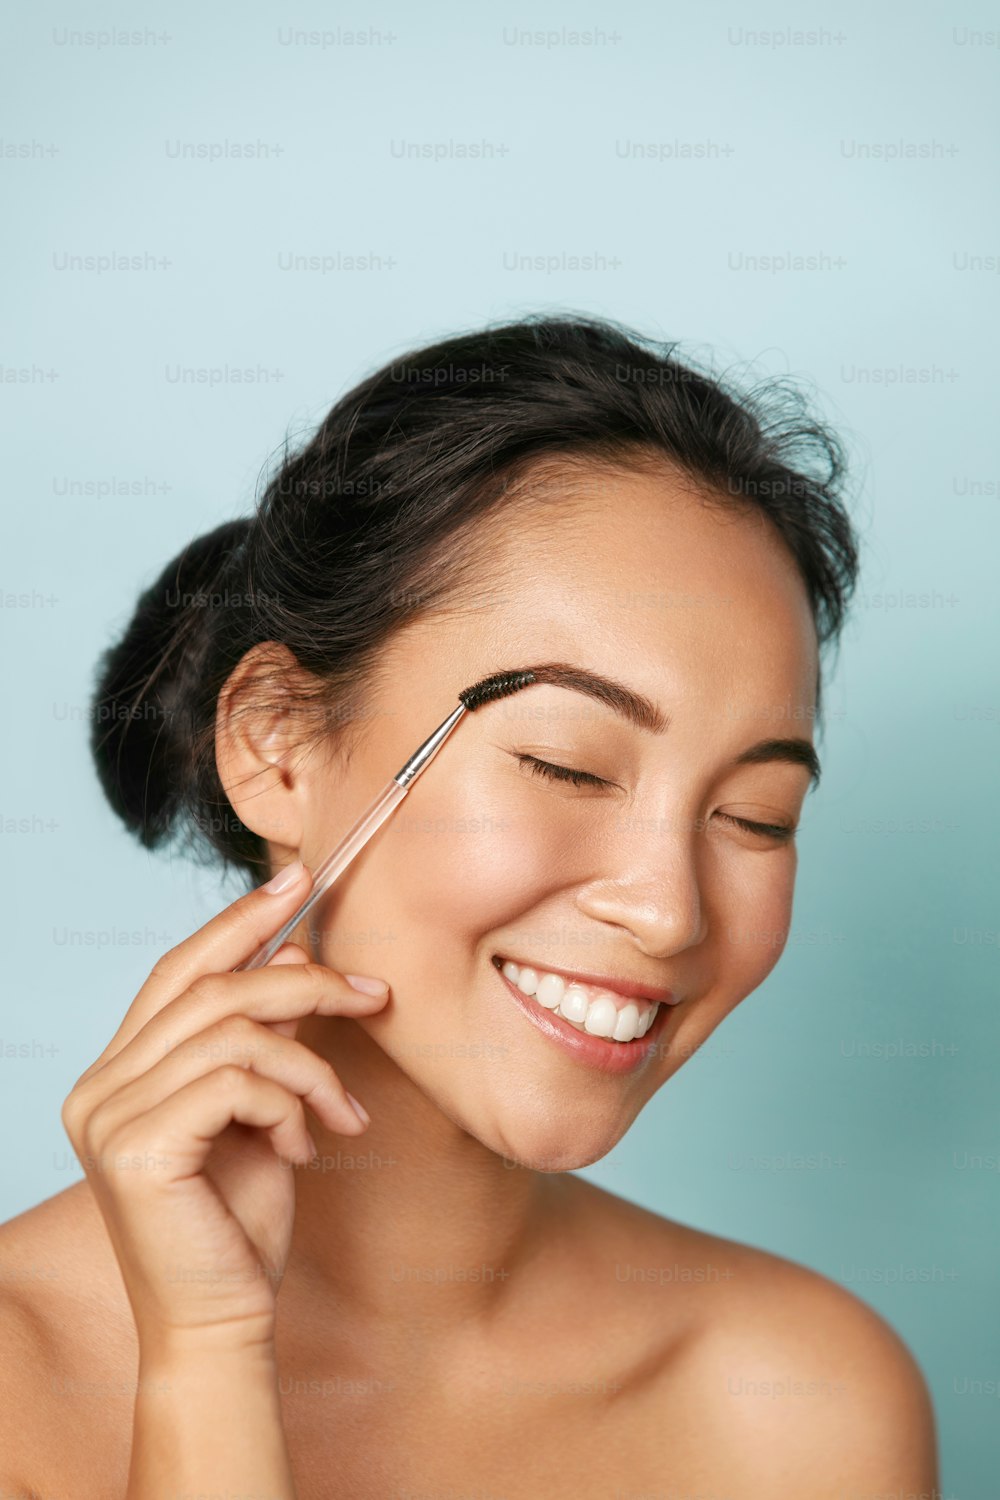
641,711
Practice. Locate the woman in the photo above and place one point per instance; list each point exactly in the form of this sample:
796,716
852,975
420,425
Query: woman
260,1289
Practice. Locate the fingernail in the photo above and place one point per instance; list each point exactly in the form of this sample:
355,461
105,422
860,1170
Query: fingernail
284,878
359,1110
367,986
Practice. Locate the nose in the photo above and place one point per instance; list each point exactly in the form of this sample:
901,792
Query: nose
652,892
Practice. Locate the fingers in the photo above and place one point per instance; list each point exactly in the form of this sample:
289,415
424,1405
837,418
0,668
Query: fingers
234,934
289,953
234,1041
262,995
223,942
177,1135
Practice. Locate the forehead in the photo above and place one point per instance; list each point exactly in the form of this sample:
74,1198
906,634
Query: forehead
636,576
643,570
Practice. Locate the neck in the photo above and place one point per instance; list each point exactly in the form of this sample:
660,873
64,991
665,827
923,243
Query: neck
414,1220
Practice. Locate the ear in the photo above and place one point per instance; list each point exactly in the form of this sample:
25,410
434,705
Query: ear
255,744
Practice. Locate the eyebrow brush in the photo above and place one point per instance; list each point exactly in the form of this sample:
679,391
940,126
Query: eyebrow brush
500,685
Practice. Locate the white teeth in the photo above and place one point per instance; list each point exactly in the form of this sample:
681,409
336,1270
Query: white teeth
602,1017
525,979
587,1010
626,1023
574,1004
550,991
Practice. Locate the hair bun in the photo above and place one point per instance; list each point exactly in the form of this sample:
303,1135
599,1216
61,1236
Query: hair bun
142,707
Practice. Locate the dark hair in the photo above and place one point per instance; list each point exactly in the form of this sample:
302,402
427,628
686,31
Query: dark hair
377,519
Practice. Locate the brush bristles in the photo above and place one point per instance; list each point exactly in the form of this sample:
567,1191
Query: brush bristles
499,686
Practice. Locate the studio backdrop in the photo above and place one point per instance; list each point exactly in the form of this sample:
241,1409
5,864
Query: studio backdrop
219,219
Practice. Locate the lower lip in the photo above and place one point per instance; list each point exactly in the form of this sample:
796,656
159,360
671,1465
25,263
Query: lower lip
595,1051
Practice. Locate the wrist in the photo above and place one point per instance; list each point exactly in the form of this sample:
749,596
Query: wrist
208,1421
228,1350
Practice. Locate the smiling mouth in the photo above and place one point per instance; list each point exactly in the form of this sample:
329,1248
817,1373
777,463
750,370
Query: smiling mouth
592,1009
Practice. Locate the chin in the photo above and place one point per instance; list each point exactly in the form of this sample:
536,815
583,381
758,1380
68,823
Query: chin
552,1147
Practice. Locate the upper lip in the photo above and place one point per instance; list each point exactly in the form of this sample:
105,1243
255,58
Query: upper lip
631,989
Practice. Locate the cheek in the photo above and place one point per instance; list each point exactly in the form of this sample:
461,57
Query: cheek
749,916
466,859
754,928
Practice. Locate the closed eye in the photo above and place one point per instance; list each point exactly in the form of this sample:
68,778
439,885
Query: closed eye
780,831
562,773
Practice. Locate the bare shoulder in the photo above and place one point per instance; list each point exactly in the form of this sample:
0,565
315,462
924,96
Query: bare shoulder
779,1365
66,1343
25,1401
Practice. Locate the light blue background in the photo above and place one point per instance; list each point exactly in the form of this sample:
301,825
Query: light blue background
881,955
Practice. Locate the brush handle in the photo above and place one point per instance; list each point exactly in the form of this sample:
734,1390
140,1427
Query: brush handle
349,846
357,837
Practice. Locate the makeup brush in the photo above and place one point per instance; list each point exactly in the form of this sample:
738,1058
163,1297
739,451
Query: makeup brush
500,685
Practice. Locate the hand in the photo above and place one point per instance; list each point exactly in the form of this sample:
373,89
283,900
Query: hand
188,1124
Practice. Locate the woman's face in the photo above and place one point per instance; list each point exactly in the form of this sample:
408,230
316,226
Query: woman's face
645,879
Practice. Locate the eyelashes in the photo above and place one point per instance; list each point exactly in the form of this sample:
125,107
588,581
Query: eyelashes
780,832
562,773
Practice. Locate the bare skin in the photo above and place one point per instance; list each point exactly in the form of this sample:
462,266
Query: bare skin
660,1390
604,1351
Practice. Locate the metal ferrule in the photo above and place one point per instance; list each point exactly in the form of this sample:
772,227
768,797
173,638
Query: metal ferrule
429,748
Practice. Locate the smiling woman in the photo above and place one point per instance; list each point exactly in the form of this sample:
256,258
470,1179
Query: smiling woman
563,902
